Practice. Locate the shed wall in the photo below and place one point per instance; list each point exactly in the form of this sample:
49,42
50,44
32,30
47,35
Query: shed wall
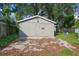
36,27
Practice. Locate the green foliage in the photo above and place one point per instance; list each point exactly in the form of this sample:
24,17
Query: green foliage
10,25
71,38
18,16
77,24
23,9
66,52
69,21
57,12
7,40
29,10
6,9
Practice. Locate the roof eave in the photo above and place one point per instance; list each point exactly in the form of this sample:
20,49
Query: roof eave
35,16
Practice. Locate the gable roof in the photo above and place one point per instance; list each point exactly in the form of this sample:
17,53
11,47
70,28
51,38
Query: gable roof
37,16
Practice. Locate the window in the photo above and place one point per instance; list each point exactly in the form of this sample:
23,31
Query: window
42,28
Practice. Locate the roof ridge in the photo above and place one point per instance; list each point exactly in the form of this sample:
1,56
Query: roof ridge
34,17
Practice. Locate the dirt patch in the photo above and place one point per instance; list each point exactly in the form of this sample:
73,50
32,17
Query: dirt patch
33,47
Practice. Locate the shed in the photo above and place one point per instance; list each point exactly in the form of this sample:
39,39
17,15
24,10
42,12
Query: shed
36,26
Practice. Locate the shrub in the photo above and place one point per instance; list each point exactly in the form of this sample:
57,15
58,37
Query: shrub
5,41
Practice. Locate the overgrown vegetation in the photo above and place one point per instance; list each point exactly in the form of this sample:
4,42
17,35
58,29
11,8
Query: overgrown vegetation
66,52
77,24
62,13
5,41
70,37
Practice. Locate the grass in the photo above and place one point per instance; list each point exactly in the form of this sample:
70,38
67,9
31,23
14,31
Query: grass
77,24
51,53
66,52
7,40
71,38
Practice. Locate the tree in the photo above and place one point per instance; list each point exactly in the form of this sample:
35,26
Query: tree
69,21
61,13
23,10
9,22
64,15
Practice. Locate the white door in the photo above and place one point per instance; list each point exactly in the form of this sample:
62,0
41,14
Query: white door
45,30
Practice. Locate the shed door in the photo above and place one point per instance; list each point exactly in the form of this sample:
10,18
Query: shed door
36,29
45,30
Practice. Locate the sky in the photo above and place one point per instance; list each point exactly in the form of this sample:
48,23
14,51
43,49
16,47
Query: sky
12,6
76,10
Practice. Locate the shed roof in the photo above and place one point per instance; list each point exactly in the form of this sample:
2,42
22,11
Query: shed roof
37,16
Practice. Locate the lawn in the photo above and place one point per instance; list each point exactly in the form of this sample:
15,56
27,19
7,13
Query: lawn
71,38
65,52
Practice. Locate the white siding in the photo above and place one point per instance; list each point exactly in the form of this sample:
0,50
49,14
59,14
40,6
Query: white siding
37,27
